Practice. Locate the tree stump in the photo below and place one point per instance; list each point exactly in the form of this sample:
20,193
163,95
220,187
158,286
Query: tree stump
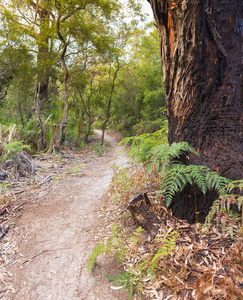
142,213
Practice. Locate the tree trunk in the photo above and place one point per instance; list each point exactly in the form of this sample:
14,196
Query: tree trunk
65,96
43,143
201,53
107,117
63,126
43,56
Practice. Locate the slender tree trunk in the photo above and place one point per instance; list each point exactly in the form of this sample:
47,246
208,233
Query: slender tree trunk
80,117
109,103
20,112
63,126
201,53
86,137
43,56
43,144
65,98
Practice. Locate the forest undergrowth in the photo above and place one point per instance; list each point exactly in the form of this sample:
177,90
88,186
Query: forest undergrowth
175,259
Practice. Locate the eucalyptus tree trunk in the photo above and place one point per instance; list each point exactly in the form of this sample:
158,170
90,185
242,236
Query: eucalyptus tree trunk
63,125
201,54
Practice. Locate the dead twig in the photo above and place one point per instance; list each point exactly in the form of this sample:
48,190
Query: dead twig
44,251
45,180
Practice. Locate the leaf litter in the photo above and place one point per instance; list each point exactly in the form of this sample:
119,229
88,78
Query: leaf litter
206,263
203,265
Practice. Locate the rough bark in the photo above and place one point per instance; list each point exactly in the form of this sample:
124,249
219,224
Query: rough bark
201,54
142,213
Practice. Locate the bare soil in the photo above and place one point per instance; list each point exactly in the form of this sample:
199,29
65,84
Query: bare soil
57,229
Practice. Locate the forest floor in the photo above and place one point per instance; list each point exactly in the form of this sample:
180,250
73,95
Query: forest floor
54,227
51,222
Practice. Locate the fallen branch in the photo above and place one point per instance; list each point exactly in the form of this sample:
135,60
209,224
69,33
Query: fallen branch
45,180
44,251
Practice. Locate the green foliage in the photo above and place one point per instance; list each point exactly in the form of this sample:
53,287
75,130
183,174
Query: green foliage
12,149
143,144
161,158
75,169
114,244
168,245
179,175
140,100
128,280
100,149
221,211
136,234
99,249
144,268
120,182
31,131
97,124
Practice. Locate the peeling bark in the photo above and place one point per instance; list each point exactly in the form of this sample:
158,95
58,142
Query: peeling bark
201,54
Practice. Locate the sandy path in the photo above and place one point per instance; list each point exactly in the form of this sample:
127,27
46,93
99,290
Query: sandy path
60,235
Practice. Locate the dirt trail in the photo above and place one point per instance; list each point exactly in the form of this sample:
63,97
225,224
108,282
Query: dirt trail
60,231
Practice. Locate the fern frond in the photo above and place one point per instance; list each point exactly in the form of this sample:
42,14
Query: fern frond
128,280
178,176
215,181
163,155
222,214
232,185
12,148
175,180
168,245
99,249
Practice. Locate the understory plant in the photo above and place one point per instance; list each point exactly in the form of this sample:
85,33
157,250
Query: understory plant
100,149
142,145
12,149
126,184
162,160
222,211
142,268
128,280
114,244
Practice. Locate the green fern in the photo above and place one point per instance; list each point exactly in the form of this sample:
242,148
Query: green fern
12,149
174,175
142,144
164,159
179,175
162,156
128,280
99,249
221,211
168,245
113,245
236,184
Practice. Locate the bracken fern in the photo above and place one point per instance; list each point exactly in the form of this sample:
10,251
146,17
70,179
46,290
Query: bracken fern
13,148
128,280
179,175
221,210
114,244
